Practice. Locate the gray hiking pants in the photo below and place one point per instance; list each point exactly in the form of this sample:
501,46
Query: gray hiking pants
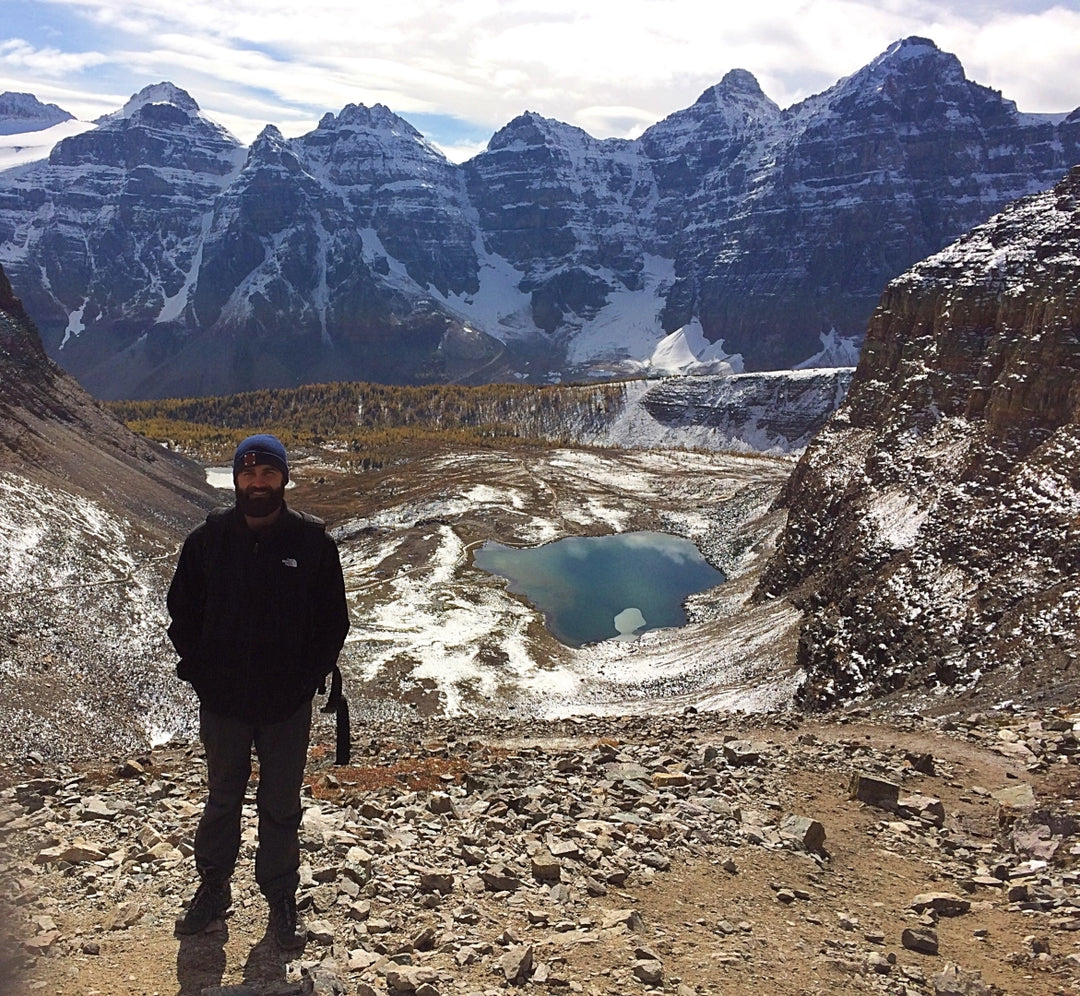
282,752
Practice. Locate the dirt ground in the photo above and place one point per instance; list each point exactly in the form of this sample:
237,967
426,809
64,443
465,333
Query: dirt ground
728,919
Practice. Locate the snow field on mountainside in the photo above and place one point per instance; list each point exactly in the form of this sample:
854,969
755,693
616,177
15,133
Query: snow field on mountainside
896,518
52,539
82,597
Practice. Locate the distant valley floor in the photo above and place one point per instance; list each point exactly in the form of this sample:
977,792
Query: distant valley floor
88,670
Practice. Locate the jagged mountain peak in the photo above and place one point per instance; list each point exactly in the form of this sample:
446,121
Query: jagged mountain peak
14,103
23,112
731,108
918,59
358,130
532,129
272,148
914,82
913,54
167,107
155,93
907,64
377,117
270,137
911,47
736,84
156,126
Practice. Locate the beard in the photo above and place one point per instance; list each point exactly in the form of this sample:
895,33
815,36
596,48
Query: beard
260,502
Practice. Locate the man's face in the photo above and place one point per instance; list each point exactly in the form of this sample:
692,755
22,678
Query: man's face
260,490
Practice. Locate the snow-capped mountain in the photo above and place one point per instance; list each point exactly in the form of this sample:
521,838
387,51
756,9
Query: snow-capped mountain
29,128
23,112
932,536
160,257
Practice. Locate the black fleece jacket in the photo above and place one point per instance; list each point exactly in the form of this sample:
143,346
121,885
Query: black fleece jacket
258,618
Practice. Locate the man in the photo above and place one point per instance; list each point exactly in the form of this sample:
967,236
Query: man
258,618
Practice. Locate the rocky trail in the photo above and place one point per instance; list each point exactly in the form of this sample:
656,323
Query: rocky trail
701,854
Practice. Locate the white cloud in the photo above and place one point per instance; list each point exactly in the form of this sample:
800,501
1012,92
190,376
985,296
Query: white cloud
611,67
16,55
459,153
1031,58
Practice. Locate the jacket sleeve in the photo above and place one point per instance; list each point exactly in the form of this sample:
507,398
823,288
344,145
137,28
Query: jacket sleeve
187,597
329,611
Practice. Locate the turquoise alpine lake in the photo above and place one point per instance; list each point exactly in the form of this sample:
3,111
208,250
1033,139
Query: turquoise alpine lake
593,588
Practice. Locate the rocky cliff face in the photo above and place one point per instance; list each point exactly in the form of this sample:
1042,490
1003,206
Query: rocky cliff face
933,535
855,185
778,412
161,258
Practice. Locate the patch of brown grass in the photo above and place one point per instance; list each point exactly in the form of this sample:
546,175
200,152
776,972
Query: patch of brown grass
414,774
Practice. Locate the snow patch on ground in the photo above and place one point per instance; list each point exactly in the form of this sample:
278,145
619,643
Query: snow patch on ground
52,538
687,351
897,519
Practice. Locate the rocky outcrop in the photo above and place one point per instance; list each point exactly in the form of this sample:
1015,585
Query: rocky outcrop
780,411
161,258
21,352
932,535
50,426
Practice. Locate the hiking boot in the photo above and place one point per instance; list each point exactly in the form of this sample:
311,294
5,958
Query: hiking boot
210,903
286,927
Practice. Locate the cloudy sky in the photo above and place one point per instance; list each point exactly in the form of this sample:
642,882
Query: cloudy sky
460,69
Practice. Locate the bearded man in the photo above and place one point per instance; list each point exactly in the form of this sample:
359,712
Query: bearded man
259,617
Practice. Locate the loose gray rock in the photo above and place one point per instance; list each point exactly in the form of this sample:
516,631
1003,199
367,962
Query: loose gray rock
921,939
807,833
873,791
741,752
516,964
942,903
649,972
408,979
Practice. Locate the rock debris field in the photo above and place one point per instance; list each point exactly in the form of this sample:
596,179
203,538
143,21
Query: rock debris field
694,854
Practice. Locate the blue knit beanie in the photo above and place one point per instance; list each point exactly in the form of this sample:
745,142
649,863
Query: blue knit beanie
262,448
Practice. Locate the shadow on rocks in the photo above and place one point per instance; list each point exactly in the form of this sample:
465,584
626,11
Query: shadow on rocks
266,963
12,975
200,961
